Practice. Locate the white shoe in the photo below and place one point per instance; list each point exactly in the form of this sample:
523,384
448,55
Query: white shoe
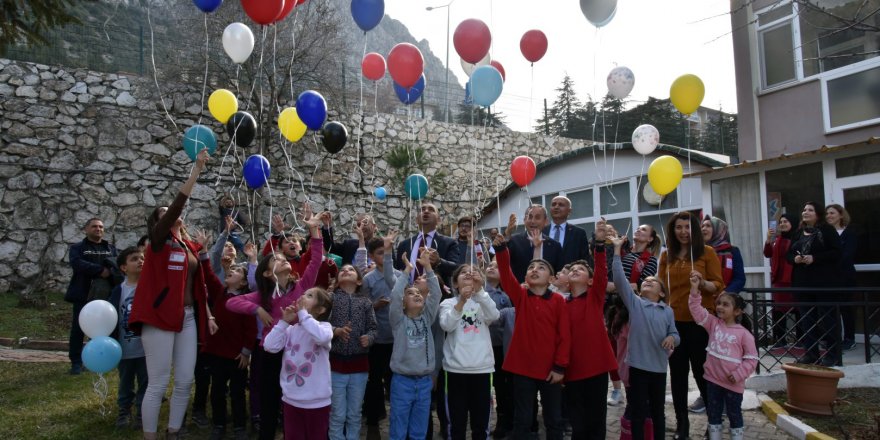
698,406
616,397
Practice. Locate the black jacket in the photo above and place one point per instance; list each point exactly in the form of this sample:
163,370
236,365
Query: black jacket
346,249
447,247
88,260
521,252
575,246
824,245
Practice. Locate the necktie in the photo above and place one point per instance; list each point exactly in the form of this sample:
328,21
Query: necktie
556,231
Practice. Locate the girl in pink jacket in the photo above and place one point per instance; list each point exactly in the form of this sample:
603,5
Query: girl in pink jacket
731,357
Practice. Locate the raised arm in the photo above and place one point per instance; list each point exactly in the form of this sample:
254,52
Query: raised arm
621,283
600,276
487,306
321,332
163,226
695,303
508,281
395,313
275,341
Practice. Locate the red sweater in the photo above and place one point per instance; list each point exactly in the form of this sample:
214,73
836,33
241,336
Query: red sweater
236,332
591,352
541,335
327,272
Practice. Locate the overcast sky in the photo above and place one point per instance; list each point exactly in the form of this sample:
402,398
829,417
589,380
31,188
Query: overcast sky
658,40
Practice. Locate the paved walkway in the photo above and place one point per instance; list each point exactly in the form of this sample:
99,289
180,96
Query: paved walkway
758,427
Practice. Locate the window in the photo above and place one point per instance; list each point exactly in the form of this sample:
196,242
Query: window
614,199
853,100
858,165
789,189
740,196
581,203
777,51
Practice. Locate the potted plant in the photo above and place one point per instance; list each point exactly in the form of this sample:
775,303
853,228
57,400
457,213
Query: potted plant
811,388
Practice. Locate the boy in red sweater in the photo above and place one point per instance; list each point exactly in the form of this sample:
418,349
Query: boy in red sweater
228,349
539,350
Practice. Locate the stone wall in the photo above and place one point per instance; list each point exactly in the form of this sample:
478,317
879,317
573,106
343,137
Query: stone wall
78,144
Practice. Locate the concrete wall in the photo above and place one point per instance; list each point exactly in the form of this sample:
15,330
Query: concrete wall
77,144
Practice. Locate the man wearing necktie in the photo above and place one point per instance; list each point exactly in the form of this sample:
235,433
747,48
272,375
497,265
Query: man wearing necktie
531,244
574,242
443,250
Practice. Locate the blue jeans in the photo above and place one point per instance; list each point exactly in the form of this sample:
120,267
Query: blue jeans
129,370
410,406
345,403
719,398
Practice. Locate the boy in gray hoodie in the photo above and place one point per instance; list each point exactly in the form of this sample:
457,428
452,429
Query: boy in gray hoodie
413,355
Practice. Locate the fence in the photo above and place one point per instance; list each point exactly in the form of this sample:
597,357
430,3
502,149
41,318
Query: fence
790,331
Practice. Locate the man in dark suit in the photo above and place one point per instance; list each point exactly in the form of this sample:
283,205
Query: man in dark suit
574,242
347,248
443,250
531,244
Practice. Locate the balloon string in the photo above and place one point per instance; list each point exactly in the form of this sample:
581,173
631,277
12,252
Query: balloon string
100,388
687,139
205,79
155,70
639,190
292,53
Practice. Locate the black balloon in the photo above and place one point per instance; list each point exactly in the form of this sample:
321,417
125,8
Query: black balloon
335,137
242,128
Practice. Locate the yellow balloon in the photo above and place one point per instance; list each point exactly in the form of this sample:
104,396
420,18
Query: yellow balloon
664,174
291,126
687,93
222,105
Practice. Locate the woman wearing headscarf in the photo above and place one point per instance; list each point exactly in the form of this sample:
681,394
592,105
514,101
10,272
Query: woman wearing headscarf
815,255
776,249
717,234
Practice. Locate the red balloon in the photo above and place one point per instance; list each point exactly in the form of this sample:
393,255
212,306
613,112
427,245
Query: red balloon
533,45
373,66
523,170
263,11
499,68
288,6
405,64
472,40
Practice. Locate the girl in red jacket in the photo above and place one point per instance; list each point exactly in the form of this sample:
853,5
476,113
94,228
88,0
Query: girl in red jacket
170,309
586,378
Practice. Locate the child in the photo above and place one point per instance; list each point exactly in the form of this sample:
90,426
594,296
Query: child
305,378
500,379
732,357
276,290
223,252
652,337
228,350
377,287
540,348
586,379
354,329
133,365
228,212
560,284
413,356
467,353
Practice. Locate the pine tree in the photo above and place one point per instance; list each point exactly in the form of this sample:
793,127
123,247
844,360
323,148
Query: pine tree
562,117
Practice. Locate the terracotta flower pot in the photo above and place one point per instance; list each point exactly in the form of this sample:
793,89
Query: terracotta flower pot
811,388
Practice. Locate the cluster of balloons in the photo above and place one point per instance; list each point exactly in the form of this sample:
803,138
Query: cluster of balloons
97,320
523,170
266,12
406,66
472,40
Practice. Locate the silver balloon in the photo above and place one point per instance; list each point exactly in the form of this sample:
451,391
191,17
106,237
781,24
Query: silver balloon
599,12
469,68
238,42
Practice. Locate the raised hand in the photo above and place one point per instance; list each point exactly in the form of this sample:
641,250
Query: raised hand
202,160
307,211
601,232
327,218
250,250
425,257
511,226
388,240
289,312
201,237
408,267
229,222
278,224
536,237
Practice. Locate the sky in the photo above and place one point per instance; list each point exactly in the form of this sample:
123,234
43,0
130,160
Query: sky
658,40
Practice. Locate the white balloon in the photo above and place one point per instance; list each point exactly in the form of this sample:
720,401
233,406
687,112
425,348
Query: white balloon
645,139
238,42
97,318
651,196
469,68
620,82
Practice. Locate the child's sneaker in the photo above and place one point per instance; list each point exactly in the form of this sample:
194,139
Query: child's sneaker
698,406
616,397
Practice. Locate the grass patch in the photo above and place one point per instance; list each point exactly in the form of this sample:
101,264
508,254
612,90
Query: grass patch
857,415
41,401
49,322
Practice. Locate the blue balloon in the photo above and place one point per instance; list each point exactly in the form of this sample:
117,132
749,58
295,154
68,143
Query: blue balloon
101,354
380,193
311,109
413,94
208,5
367,13
486,85
416,186
197,138
256,171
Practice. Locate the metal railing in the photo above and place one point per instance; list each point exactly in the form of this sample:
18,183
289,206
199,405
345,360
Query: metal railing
789,331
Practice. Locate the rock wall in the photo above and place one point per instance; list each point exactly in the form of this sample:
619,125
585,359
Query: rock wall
76,144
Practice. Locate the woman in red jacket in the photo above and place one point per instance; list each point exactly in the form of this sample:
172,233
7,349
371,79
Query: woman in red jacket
775,248
170,309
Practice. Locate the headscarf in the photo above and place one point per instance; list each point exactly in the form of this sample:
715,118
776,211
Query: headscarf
794,220
720,235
